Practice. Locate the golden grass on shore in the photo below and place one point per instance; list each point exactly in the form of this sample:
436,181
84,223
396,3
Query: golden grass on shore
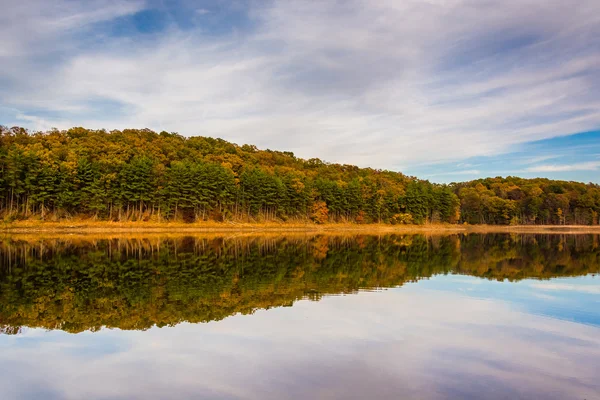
91,226
210,226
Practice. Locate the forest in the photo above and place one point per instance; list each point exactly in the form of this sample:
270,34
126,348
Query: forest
136,284
141,175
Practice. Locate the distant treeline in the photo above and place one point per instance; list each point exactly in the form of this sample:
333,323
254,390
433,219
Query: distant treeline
143,175
137,284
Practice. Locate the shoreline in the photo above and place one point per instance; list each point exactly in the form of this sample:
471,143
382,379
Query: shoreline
83,227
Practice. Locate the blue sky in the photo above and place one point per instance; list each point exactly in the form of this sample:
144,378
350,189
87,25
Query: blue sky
447,90
573,158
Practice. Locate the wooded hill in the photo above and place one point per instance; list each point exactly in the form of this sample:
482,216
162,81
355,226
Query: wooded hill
143,175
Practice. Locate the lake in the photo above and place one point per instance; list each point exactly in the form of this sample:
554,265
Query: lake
300,316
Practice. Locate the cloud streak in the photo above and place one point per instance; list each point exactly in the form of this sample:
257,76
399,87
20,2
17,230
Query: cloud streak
583,166
382,84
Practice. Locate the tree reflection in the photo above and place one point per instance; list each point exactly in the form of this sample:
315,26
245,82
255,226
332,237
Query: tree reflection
140,283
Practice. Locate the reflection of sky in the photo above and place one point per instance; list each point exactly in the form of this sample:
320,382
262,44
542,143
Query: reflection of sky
449,337
573,299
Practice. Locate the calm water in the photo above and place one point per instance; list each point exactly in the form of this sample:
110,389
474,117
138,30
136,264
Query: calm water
301,317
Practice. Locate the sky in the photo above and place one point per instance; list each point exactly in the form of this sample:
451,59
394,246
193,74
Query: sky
446,90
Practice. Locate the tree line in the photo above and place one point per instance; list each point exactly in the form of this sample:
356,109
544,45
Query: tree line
134,175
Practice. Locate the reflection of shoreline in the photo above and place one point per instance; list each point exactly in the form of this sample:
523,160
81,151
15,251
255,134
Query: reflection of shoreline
78,284
84,227
84,234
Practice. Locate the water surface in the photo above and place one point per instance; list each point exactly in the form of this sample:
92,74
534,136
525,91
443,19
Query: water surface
396,316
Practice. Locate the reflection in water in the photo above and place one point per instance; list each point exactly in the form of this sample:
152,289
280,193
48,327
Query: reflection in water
454,336
135,284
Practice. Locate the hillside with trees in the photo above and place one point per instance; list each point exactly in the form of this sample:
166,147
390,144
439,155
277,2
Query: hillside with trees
141,175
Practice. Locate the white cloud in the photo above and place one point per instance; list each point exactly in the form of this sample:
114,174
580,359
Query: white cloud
460,172
381,83
583,166
35,27
534,160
